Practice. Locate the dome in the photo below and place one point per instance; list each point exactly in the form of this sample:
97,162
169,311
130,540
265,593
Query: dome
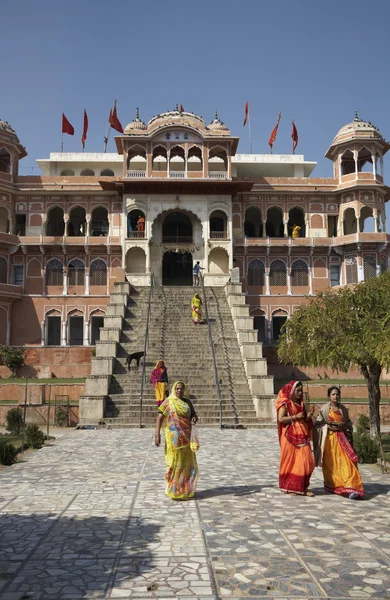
5,127
357,129
177,117
136,125
217,124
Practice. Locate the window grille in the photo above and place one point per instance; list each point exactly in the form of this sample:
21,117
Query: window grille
351,270
98,272
369,266
299,273
76,271
335,275
278,274
54,272
256,273
3,270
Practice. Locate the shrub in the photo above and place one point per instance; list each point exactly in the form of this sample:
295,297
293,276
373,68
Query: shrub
8,452
35,438
61,417
367,448
363,425
14,421
13,357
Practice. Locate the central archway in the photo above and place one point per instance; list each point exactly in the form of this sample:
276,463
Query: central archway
177,228
177,268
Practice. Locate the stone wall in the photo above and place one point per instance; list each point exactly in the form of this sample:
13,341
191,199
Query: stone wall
38,393
42,361
39,414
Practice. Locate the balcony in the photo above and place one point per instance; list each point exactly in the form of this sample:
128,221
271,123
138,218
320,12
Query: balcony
217,175
177,175
218,235
136,235
177,239
136,174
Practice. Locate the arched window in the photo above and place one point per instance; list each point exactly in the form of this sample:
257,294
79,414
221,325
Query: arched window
87,173
159,159
76,270
77,222
366,221
136,224
278,274
299,273
218,225
369,266
279,317
5,161
256,273
55,221
274,226
177,162
351,271
4,220
107,173
3,270
67,173
99,221
195,160
253,224
350,222
347,163
296,222
364,161
217,163
54,272
98,272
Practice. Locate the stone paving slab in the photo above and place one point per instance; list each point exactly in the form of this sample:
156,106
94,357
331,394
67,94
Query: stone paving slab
87,517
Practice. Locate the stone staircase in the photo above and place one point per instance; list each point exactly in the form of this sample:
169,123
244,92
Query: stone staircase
184,346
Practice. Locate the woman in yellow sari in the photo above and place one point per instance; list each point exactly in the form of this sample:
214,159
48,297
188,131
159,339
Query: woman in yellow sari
294,429
159,379
196,304
176,416
333,448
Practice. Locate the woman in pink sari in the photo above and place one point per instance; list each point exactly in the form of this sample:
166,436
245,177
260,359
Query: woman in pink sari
159,379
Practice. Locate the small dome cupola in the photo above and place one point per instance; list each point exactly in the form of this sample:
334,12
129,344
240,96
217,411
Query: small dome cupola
11,150
136,125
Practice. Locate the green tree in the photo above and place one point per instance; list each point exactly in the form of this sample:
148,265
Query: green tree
341,329
13,357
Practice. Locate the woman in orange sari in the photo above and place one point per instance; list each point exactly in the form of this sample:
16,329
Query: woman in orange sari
294,429
333,448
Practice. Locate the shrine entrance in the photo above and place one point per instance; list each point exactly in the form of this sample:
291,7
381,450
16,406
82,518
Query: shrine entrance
177,268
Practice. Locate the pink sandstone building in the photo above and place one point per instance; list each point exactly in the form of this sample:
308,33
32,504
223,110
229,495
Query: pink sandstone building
175,192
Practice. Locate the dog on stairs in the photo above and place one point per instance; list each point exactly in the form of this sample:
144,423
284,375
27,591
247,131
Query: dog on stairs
134,356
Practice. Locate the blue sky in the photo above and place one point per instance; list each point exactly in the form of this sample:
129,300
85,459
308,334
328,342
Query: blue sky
316,62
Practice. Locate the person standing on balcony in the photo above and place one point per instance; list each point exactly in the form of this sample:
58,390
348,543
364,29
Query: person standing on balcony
159,379
196,304
177,415
141,223
196,271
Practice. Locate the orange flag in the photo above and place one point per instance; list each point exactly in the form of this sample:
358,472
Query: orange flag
246,113
294,135
272,137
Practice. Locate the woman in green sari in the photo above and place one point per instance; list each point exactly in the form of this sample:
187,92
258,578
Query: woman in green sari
176,416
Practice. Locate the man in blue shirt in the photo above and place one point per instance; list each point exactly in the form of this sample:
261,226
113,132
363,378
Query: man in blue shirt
196,271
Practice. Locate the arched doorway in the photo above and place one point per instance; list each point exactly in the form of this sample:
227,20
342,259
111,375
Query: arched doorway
177,268
177,229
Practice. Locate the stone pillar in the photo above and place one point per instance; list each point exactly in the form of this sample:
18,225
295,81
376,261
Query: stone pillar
310,280
285,227
88,231
87,282
355,156
267,281
360,268
43,332
64,331
306,228
8,332
43,281
373,165
86,333
66,229
288,271
264,228
65,290
376,220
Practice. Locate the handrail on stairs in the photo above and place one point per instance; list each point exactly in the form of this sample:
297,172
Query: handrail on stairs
141,393
211,343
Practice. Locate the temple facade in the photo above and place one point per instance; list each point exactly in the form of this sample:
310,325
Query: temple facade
176,192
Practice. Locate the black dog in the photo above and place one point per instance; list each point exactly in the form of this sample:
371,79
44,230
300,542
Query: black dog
134,356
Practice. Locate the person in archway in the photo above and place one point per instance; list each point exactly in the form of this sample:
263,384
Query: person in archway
177,415
295,231
196,307
159,379
196,271
141,223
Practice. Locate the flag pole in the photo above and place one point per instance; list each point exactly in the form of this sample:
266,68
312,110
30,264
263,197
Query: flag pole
62,142
249,131
106,138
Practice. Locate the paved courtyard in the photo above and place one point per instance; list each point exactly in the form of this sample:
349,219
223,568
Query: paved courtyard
87,517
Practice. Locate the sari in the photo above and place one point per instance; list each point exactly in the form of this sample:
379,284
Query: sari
196,303
159,379
182,469
335,454
296,457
